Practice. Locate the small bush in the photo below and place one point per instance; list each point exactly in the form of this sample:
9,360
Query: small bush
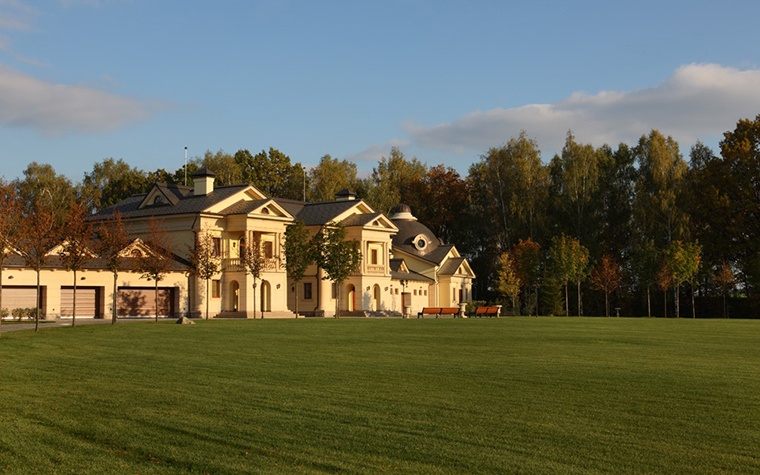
4,313
24,313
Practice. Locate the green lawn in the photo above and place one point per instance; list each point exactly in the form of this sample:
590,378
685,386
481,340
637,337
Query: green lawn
509,395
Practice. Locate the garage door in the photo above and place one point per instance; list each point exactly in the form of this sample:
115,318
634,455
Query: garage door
140,302
20,297
87,301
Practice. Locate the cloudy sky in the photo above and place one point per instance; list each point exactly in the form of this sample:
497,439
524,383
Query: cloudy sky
84,80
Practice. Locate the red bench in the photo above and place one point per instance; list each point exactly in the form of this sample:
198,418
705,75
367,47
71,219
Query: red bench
487,312
438,311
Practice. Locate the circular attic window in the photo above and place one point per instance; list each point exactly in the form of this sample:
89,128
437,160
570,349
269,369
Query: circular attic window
420,242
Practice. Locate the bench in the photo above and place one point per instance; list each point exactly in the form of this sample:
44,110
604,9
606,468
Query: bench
438,311
487,312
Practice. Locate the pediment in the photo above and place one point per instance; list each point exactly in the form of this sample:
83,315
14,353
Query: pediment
157,196
249,193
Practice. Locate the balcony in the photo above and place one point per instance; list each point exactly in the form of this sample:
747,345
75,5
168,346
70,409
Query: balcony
375,269
235,265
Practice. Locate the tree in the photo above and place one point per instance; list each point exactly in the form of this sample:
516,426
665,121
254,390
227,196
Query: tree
43,186
299,254
513,189
662,170
507,283
606,277
272,173
228,171
10,219
113,237
390,181
575,181
254,262
38,233
664,281
683,262
527,258
157,263
331,176
110,182
440,199
337,256
561,263
204,259
75,250
647,263
725,280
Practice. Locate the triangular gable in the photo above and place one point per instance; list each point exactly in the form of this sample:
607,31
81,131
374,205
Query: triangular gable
158,196
249,193
465,269
362,208
136,245
271,209
58,248
383,222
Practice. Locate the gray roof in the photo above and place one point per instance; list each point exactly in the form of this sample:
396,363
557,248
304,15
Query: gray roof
360,219
397,274
451,266
313,214
186,202
244,207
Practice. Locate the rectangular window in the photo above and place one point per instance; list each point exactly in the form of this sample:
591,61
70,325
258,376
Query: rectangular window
374,257
334,291
268,249
461,291
217,246
307,290
216,289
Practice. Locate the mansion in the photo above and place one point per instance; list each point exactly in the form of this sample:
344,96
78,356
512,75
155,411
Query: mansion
404,266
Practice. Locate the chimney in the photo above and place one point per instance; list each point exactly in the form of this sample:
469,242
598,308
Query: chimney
345,195
203,180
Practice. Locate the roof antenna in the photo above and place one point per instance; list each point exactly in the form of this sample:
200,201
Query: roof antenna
185,166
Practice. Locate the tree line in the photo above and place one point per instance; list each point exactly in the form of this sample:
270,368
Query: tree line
638,227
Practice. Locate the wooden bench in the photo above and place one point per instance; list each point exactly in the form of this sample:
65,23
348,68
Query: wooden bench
487,312
438,311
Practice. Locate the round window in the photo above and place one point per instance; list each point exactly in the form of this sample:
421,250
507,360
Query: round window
420,242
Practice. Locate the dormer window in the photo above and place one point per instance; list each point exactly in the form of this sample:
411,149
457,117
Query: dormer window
135,253
420,242
265,211
158,200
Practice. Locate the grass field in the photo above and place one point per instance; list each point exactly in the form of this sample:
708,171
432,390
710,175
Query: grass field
509,395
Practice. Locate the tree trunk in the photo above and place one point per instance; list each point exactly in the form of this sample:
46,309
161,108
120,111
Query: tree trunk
665,308
536,301
567,302
693,308
607,302
37,312
724,304
254,298
115,292
74,313
207,299
678,301
155,298
337,299
1,298
579,297
649,302
295,287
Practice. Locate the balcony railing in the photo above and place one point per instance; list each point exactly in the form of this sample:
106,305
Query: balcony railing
236,265
375,269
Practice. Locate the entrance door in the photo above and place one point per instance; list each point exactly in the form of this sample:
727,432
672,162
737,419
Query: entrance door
234,296
266,296
376,298
351,298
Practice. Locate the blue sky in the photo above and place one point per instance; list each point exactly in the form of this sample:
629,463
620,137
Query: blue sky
84,80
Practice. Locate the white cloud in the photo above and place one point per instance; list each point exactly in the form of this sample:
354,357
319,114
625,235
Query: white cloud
57,109
15,15
698,100
375,152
